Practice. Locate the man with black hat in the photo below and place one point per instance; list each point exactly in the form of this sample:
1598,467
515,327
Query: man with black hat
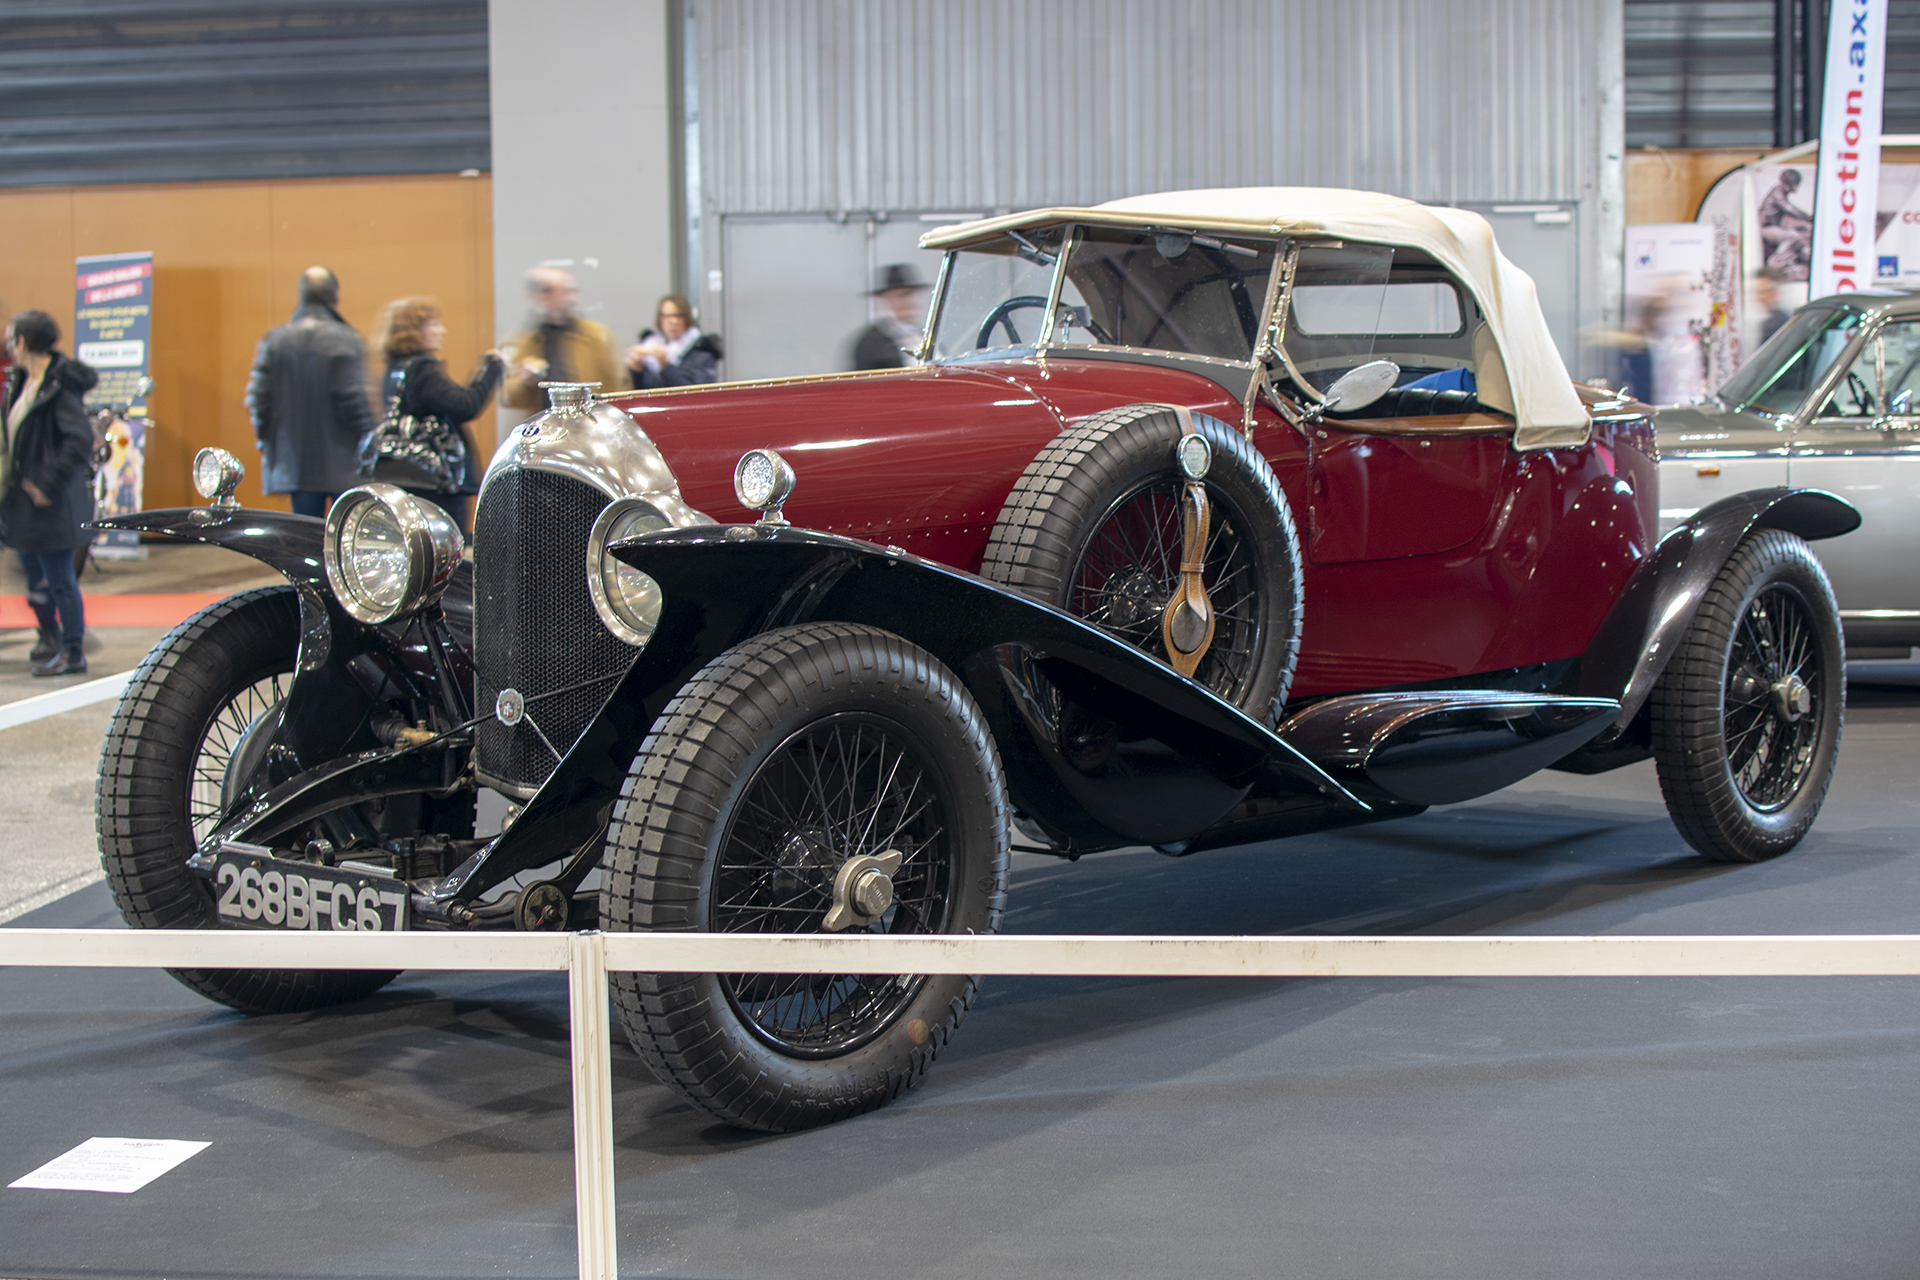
903,315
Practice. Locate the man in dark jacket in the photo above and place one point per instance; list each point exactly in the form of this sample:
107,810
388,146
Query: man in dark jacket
308,400
903,313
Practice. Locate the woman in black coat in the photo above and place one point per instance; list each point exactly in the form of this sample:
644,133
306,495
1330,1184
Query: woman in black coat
411,334
48,491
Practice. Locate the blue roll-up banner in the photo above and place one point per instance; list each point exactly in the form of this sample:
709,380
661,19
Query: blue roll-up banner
112,317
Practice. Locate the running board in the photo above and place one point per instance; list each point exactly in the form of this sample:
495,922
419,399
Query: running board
1442,747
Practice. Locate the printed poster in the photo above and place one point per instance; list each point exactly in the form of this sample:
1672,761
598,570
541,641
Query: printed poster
112,317
1670,268
1766,213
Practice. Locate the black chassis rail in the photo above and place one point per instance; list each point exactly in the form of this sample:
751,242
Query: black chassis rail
343,670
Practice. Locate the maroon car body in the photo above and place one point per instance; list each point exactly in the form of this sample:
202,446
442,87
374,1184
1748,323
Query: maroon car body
1433,550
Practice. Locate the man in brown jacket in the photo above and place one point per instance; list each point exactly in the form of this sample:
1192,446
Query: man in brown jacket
558,346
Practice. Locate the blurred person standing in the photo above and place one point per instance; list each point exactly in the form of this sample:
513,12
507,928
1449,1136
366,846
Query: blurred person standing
903,314
674,353
308,400
1766,300
410,334
557,346
48,488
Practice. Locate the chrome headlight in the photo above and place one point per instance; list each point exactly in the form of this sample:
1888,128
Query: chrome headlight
388,553
627,600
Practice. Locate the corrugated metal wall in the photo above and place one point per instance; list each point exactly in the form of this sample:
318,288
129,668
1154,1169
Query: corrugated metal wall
825,105
1700,73
102,91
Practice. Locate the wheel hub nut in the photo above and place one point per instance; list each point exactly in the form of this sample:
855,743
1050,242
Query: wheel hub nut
872,893
1791,698
862,890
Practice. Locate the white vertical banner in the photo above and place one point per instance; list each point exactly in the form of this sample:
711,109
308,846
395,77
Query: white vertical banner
1847,192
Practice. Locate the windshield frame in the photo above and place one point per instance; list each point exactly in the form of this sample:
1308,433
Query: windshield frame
1817,393
1044,343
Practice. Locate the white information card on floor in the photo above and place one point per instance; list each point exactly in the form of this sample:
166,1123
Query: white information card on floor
120,1165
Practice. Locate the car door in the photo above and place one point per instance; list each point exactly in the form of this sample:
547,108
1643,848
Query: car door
1863,443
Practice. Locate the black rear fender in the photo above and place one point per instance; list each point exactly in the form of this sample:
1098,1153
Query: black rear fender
1645,626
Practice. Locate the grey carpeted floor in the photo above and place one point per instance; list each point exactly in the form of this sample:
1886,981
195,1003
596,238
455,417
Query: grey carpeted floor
1328,1128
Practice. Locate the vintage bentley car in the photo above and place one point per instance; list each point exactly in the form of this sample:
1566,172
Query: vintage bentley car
1827,403
1184,531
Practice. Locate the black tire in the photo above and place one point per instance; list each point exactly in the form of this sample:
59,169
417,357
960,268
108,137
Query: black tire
1092,527
750,761
161,774
1743,770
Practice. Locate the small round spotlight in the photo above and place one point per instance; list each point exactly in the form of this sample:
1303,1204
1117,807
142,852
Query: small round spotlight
216,474
1195,455
763,482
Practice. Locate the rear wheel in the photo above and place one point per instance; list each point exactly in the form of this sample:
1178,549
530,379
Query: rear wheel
1747,715
178,750
819,778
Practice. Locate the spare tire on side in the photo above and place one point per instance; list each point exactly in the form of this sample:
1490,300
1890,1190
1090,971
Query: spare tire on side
1093,527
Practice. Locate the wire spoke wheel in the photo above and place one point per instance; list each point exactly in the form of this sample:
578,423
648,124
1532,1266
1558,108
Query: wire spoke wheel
210,788
1131,566
1746,718
1770,734
1093,526
816,778
847,786
173,762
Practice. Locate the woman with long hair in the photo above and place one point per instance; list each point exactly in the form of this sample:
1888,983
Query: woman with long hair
410,333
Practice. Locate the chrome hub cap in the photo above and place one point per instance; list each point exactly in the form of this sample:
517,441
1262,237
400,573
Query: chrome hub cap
862,891
1791,698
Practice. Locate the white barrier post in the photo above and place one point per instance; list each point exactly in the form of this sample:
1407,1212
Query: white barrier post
593,1211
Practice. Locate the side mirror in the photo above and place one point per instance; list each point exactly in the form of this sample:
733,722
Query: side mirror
1359,387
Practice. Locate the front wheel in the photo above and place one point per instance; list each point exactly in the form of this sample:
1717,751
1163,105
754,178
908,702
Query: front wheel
172,761
1747,715
820,778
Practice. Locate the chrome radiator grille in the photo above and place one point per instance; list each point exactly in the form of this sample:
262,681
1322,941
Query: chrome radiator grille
534,626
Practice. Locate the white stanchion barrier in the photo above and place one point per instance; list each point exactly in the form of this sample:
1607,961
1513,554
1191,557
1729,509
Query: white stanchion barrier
589,957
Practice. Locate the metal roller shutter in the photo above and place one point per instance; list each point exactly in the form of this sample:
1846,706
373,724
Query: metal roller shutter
160,90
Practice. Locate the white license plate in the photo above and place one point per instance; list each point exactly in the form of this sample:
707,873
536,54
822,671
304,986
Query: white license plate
254,891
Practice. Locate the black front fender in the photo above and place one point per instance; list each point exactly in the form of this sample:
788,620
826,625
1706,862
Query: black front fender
328,702
1647,622
1101,743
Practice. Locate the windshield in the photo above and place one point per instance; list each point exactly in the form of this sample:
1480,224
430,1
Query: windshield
1166,290
1785,371
996,294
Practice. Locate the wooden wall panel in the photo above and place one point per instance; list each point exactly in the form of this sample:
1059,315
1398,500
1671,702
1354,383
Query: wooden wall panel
227,257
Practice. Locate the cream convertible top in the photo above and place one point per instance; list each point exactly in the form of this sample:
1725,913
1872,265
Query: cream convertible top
1547,409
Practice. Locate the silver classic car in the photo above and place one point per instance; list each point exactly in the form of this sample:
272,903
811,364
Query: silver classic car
1828,403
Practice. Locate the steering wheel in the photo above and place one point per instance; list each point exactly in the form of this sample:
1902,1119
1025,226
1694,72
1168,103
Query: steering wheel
1000,315
1857,388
